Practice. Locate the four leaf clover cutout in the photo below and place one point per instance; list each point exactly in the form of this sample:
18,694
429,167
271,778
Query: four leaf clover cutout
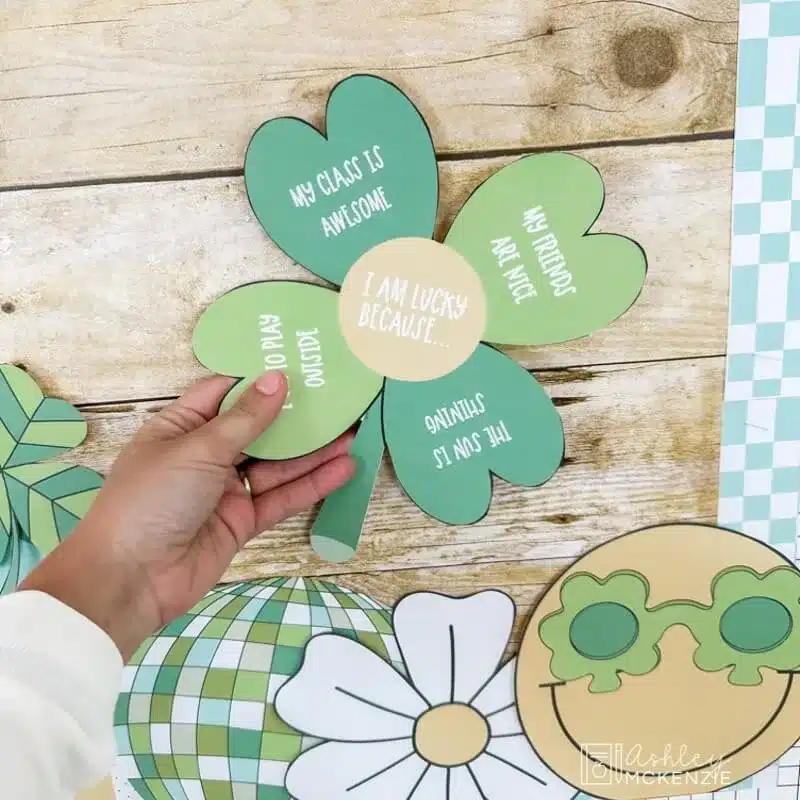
40,501
402,334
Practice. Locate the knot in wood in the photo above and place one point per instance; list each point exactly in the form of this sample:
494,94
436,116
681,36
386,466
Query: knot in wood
645,57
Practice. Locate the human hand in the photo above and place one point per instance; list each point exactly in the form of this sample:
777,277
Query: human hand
174,511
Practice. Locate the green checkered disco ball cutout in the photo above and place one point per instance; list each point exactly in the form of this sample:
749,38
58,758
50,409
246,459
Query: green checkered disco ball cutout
195,719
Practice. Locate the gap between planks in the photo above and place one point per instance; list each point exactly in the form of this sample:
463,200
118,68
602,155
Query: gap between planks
481,155
111,406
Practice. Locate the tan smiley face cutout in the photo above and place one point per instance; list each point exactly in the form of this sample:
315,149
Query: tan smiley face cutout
677,730
412,309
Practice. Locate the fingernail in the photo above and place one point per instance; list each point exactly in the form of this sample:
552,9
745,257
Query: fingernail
270,383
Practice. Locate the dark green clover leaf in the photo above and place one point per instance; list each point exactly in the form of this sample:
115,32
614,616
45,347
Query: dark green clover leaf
39,503
326,200
447,437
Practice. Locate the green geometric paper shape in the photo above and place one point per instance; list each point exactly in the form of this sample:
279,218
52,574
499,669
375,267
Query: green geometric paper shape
10,563
18,497
28,558
7,441
546,279
326,199
17,562
40,496
448,436
19,399
77,504
40,504
18,558
33,427
292,327
6,519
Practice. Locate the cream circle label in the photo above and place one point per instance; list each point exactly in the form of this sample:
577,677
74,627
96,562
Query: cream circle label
412,309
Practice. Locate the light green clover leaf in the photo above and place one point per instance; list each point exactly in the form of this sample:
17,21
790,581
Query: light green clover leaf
292,327
329,200
546,279
40,503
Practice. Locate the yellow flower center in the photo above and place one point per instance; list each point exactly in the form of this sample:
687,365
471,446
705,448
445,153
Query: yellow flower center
412,309
451,735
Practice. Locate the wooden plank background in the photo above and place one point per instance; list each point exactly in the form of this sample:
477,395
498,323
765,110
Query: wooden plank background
123,125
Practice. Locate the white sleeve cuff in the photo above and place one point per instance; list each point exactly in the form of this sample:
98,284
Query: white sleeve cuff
64,674
36,626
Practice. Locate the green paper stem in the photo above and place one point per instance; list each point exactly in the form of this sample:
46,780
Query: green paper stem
337,528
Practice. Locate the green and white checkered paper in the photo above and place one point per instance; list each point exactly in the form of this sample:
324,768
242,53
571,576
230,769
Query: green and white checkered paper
760,456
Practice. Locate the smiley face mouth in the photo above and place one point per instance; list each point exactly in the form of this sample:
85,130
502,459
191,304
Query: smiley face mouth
709,764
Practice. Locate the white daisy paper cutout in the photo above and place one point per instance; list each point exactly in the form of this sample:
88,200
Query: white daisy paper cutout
447,731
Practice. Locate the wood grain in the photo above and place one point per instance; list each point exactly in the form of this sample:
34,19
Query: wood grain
101,285
112,88
642,448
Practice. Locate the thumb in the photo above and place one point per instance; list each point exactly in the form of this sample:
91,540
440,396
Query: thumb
228,434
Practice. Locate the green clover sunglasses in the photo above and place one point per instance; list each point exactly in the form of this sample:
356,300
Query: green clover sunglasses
604,626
